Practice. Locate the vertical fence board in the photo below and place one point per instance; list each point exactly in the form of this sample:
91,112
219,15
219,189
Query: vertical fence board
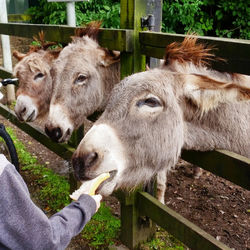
132,230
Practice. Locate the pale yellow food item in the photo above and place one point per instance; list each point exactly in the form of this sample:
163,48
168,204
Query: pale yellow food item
89,187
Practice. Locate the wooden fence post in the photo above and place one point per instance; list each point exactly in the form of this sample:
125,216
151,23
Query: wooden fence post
74,141
133,228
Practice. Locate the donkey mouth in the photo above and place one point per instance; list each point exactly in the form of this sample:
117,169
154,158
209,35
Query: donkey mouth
31,116
112,175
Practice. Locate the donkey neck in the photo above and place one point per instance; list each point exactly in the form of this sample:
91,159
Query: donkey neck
110,76
226,127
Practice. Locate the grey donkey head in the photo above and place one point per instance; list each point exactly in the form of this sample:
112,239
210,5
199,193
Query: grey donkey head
83,76
142,129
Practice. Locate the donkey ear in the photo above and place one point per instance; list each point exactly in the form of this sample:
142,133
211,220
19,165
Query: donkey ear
109,57
208,93
18,55
55,53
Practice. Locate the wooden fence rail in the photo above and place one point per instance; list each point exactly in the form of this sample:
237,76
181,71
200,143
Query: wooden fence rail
187,232
133,43
235,51
115,39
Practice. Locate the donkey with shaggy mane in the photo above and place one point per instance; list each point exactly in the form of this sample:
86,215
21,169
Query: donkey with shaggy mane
151,116
35,82
84,75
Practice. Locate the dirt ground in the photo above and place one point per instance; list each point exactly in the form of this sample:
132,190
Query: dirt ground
214,204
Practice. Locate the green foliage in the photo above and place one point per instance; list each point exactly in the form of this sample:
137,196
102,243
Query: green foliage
108,11
207,17
103,229
163,240
179,16
48,13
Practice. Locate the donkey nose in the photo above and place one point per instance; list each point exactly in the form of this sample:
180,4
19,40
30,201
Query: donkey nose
90,159
23,110
82,163
54,133
20,112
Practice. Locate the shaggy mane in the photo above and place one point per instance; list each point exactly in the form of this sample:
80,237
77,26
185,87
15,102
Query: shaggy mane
189,51
91,30
42,44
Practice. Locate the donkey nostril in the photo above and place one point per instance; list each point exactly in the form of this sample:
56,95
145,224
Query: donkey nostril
55,133
23,110
47,130
90,159
68,131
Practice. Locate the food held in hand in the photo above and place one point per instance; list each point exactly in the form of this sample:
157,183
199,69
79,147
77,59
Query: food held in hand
89,187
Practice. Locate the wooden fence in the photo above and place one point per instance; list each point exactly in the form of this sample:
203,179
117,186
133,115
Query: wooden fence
134,44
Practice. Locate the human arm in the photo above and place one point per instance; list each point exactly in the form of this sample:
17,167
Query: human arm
24,226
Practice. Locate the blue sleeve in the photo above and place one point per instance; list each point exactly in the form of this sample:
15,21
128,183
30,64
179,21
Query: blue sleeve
24,226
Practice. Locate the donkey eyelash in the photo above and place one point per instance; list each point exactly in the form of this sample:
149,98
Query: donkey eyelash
151,102
39,75
80,79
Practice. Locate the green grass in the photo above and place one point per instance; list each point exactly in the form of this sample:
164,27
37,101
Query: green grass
163,240
103,229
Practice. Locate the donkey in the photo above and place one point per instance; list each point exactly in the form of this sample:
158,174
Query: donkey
83,76
151,116
35,82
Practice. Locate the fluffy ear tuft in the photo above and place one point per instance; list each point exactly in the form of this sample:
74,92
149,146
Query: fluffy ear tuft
208,93
18,55
109,57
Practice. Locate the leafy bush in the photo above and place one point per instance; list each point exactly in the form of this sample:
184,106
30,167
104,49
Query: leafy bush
207,17
55,13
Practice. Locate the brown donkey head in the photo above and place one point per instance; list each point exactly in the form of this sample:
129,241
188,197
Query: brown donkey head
35,82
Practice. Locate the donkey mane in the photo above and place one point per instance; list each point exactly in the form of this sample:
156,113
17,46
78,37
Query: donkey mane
91,30
42,44
190,51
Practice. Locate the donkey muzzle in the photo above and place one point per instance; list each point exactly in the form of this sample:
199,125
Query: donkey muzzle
82,164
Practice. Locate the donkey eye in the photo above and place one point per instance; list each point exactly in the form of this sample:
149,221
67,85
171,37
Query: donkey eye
80,79
151,102
39,75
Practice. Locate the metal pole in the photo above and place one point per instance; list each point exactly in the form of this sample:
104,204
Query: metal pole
7,62
71,15
154,7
